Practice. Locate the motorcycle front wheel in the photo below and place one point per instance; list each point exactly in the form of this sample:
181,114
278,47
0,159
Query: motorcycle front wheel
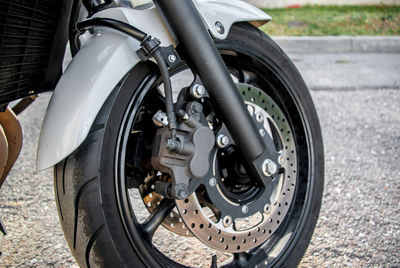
111,216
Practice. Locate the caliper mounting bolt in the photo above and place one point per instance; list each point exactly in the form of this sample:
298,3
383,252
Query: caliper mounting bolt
197,91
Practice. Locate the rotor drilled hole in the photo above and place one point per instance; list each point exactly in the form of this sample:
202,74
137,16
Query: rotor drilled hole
186,200
277,222
219,231
255,240
193,225
263,231
201,226
270,231
222,240
209,225
249,234
209,238
184,211
234,238
196,212
244,240
238,247
258,229
226,247
286,203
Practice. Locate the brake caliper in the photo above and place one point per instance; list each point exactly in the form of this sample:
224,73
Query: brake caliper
185,159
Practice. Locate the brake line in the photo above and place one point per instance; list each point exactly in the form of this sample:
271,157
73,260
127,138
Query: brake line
150,47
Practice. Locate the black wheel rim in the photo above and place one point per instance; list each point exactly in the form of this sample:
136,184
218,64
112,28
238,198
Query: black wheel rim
268,77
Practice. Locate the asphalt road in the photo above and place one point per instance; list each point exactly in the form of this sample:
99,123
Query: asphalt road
358,101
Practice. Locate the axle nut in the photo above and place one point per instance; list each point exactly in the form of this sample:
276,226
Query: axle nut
269,167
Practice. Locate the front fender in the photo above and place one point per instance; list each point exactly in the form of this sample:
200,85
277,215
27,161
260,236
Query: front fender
105,58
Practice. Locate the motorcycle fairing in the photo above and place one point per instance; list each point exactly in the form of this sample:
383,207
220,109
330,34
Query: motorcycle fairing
104,59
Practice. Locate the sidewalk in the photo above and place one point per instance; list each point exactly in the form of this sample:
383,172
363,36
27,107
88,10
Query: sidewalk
339,44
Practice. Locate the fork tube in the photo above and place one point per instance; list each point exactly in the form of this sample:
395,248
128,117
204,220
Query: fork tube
202,55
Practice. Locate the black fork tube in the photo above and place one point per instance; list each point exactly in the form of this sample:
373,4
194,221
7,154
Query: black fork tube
203,57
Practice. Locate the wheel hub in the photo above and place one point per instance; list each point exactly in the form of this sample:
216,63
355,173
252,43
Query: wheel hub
217,220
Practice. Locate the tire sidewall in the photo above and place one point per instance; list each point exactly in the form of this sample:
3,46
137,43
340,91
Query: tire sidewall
264,48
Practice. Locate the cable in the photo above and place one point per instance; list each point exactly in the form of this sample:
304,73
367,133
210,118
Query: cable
169,103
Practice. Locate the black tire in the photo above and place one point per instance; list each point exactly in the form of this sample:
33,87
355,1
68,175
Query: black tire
90,197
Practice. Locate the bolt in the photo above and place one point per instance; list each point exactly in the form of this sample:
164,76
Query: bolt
172,58
262,132
195,108
222,141
198,91
267,208
219,27
259,117
281,160
245,209
212,182
227,221
181,191
269,168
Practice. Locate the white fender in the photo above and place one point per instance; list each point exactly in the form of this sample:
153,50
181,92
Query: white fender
104,59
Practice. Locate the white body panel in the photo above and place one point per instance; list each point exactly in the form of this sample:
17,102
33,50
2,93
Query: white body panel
104,59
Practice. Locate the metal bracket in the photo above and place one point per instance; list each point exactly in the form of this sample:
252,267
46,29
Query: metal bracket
169,55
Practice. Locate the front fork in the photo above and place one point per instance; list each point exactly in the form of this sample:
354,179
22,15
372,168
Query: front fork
198,49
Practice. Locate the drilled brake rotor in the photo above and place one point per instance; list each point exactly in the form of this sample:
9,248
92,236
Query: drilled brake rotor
225,232
173,222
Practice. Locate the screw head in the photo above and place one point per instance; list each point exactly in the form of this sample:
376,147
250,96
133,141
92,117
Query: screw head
222,141
262,132
269,167
172,58
245,209
259,117
219,27
212,182
227,221
198,91
182,193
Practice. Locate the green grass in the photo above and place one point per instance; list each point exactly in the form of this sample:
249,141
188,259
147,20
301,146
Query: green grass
334,20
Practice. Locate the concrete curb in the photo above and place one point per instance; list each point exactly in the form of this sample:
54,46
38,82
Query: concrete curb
339,44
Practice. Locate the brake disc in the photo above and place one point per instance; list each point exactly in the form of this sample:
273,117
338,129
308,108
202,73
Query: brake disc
173,222
222,232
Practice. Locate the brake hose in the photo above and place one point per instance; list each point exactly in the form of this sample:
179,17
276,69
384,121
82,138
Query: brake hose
150,47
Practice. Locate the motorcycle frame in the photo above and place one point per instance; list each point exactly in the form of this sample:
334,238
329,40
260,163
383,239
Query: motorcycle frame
106,58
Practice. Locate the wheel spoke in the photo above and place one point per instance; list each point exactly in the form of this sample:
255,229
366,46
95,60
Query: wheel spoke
155,219
239,260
